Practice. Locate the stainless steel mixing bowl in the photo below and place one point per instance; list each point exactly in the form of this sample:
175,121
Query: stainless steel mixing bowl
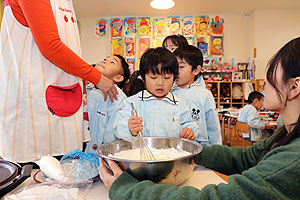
172,172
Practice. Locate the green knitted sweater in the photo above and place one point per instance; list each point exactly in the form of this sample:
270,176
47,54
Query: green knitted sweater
253,175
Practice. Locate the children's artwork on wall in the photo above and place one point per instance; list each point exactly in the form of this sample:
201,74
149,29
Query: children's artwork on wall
217,25
206,62
187,23
131,63
174,25
217,62
140,33
191,40
137,65
117,46
216,45
157,42
159,26
144,44
202,25
129,47
203,44
116,25
130,26
144,26
101,27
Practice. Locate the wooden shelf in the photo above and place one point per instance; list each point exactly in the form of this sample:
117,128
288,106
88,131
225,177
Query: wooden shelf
240,102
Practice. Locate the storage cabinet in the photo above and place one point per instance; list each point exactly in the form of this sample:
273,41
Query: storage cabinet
230,93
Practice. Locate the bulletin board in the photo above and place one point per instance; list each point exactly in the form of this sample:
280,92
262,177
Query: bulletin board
132,36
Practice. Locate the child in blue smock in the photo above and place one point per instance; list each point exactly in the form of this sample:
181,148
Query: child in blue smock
250,115
202,105
160,112
172,42
102,113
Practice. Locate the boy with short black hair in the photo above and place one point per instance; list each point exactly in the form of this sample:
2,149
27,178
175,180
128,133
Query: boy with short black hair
200,100
102,113
250,115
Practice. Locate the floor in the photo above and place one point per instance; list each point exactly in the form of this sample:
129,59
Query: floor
233,142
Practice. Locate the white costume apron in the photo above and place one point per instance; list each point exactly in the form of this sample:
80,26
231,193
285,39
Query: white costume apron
33,123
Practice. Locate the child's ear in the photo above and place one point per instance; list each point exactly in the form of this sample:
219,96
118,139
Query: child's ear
294,88
255,101
197,70
118,78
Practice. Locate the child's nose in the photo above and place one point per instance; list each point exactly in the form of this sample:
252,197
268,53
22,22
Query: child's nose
160,81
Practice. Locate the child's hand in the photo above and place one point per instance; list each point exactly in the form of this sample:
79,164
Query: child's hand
269,126
135,125
187,134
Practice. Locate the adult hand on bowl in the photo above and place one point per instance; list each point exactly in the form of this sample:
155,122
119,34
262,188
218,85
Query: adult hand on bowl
106,176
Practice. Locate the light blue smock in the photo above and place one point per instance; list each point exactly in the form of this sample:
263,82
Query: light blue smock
102,115
166,117
201,81
202,108
250,115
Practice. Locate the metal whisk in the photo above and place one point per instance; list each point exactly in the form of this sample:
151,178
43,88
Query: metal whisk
145,152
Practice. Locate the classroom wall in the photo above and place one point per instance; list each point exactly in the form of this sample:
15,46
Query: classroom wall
273,28
265,30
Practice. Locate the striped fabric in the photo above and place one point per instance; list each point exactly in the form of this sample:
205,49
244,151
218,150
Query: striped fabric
27,129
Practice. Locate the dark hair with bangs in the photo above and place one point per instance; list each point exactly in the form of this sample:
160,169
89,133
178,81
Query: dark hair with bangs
150,61
126,71
288,57
192,55
178,40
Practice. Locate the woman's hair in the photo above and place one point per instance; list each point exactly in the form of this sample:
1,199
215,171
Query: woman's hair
126,71
159,61
178,40
288,57
192,55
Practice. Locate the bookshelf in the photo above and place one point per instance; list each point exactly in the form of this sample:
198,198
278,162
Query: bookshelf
225,94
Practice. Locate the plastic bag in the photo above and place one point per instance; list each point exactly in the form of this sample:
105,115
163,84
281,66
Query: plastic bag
51,191
79,165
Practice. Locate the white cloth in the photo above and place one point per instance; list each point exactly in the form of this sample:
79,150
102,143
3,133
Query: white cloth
248,88
27,129
202,108
166,117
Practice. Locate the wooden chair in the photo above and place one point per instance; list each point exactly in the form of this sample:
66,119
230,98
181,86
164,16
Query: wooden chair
224,125
242,127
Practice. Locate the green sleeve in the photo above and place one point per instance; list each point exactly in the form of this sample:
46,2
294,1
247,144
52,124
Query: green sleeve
276,176
231,160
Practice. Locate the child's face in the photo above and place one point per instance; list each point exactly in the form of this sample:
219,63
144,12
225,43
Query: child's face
111,67
186,75
259,103
170,46
158,84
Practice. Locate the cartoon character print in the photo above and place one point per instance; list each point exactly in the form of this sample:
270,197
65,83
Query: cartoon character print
195,114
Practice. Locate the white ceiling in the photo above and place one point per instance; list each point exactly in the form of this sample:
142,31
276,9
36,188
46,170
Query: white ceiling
102,8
